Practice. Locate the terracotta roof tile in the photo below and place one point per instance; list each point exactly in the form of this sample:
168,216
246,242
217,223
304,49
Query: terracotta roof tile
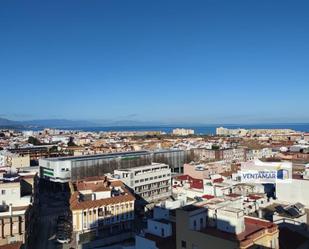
95,185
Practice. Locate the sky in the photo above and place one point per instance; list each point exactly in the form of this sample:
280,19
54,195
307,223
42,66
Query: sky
208,61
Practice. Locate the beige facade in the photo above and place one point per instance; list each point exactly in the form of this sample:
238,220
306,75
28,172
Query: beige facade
13,160
12,225
20,161
102,208
105,215
16,211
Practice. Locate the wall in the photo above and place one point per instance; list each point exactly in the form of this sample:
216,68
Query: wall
230,222
9,193
196,238
297,190
143,243
158,228
20,161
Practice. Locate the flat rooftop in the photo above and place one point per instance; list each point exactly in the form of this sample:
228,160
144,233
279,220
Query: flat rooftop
153,165
190,208
98,156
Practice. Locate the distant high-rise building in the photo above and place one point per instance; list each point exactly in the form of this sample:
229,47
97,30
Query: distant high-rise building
182,132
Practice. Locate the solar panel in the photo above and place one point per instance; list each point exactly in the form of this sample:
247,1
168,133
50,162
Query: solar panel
292,211
279,209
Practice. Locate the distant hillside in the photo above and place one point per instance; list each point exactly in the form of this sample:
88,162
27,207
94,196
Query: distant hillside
58,123
6,123
46,123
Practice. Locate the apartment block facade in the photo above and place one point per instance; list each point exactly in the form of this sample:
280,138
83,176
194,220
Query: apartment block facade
100,210
151,182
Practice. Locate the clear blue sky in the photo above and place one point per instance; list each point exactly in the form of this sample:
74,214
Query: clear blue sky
208,61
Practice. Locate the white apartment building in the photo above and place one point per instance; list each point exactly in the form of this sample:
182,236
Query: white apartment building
151,182
14,213
9,159
10,194
295,191
183,132
232,155
221,131
259,153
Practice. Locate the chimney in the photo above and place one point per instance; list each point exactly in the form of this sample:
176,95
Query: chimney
10,209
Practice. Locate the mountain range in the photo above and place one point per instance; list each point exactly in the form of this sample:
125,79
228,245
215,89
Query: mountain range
65,123
44,123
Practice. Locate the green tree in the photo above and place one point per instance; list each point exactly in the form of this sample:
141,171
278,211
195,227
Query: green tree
215,147
71,142
34,141
54,149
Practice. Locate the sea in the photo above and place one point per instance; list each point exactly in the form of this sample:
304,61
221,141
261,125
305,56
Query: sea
203,130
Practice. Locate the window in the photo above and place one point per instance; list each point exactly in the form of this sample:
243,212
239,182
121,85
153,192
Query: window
100,212
137,181
183,244
3,192
162,232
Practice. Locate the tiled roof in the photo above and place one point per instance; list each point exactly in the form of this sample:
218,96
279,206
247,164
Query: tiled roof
254,228
255,197
183,177
208,197
196,183
106,185
218,180
80,205
95,187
